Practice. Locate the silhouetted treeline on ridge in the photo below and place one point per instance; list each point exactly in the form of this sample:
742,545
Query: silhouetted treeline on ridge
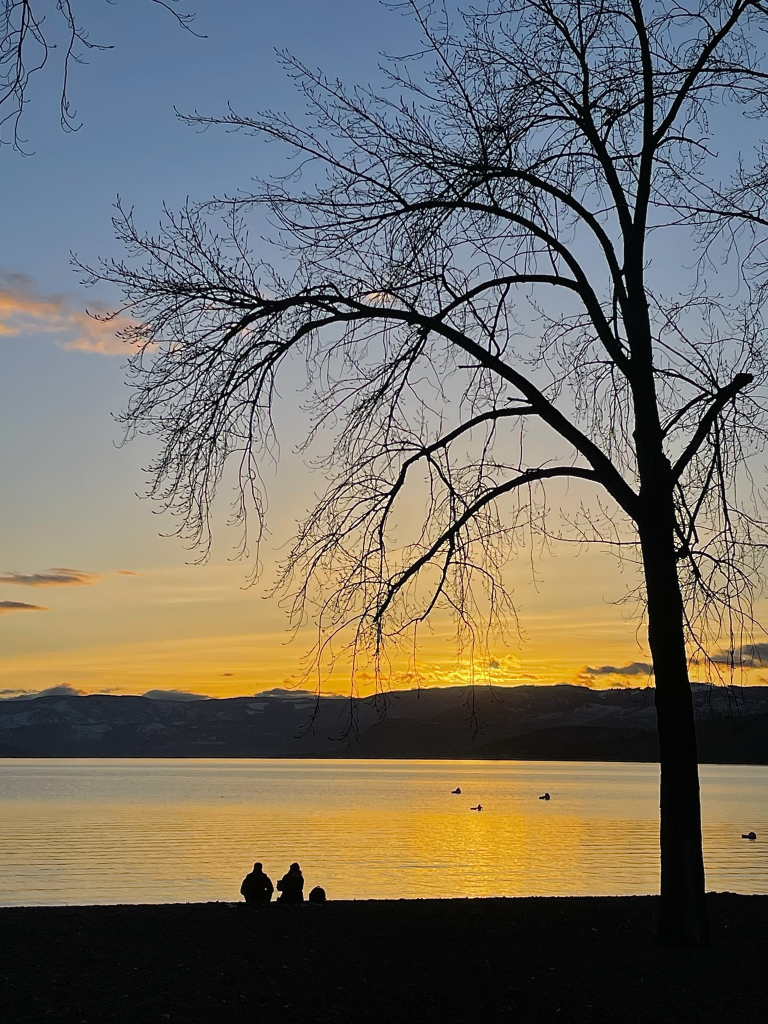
526,722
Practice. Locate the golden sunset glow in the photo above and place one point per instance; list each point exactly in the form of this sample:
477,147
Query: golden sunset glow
201,629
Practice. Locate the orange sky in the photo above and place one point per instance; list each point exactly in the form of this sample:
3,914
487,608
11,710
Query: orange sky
197,628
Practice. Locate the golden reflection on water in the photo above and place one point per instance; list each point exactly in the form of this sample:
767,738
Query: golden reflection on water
156,831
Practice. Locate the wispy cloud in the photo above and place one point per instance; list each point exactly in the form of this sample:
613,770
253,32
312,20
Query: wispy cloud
25,311
635,668
60,577
6,607
127,572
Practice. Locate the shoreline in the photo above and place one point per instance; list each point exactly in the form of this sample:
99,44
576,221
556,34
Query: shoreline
346,758
529,959
363,901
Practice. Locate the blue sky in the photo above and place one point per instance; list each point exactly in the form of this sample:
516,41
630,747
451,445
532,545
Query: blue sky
69,494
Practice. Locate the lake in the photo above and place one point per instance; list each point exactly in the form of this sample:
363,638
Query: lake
154,831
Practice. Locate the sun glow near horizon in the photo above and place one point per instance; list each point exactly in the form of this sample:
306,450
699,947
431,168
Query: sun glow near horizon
196,629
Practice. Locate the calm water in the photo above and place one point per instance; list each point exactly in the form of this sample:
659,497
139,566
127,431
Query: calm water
141,831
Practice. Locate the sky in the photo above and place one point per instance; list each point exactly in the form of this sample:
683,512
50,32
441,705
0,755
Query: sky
92,595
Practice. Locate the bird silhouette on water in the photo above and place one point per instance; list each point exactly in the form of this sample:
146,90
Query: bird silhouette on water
545,796
457,790
478,808
751,836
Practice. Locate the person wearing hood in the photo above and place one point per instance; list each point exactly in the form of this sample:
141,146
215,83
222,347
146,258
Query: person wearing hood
291,886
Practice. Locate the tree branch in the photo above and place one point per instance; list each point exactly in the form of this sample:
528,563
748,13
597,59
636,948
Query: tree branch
720,400
448,536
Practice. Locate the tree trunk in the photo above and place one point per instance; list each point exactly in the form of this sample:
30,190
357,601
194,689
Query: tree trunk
683,916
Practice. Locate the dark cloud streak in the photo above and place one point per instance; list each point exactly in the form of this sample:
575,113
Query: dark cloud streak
636,668
62,690
20,606
60,577
184,695
748,656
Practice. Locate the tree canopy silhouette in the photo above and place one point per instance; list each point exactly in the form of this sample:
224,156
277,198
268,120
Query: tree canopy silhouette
480,266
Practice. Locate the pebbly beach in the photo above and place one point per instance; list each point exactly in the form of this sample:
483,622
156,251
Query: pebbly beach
528,960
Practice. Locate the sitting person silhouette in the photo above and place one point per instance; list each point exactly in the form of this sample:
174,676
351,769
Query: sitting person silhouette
291,886
317,895
257,887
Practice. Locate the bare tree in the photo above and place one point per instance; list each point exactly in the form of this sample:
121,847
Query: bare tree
469,281
28,37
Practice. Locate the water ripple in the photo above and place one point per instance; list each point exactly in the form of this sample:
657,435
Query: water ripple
157,831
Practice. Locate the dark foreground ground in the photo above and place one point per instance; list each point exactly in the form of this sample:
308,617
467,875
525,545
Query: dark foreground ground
393,962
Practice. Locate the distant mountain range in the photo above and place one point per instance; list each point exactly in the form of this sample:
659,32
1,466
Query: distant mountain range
524,722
